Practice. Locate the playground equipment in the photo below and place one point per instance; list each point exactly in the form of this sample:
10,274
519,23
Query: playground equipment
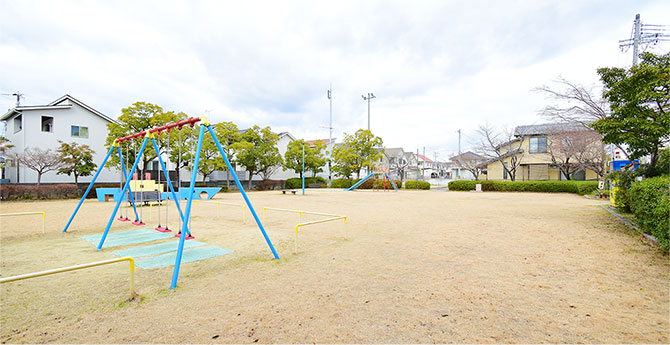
185,216
377,171
333,217
44,216
218,208
78,267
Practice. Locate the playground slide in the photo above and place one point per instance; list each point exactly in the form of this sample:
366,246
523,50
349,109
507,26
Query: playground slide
360,182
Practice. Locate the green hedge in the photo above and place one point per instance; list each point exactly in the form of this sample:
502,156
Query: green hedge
411,184
296,182
577,187
650,203
341,183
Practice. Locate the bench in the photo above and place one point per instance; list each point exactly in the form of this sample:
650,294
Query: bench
284,191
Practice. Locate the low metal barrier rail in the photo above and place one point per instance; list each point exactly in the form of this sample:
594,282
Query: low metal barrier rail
78,267
299,212
311,223
218,208
28,213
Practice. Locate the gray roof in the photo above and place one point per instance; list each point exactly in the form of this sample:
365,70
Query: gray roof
468,155
548,128
57,104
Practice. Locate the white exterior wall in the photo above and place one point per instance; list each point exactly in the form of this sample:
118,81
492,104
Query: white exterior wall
32,136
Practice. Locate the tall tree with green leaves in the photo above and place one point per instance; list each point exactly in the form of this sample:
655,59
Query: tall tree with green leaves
639,98
228,135
257,151
314,157
140,116
356,152
77,160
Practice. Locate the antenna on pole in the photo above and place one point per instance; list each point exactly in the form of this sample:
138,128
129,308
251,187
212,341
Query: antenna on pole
18,96
644,34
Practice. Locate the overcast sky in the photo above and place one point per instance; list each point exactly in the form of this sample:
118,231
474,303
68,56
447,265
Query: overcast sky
434,66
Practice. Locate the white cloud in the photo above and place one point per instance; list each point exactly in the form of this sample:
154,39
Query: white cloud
435,66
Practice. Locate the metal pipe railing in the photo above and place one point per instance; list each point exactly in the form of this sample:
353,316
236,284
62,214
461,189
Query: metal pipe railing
78,267
314,222
299,212
28,213
218,207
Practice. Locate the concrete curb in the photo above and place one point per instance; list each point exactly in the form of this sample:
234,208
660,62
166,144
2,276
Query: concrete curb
613,211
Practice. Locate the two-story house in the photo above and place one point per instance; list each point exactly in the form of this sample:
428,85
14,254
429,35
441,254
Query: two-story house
42,126
530,147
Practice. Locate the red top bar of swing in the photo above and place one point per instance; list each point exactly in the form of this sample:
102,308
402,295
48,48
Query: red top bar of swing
190,121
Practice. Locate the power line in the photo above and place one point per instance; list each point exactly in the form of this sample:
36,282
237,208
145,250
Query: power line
646,35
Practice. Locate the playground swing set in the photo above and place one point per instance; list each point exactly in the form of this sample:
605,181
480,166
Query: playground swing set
184,217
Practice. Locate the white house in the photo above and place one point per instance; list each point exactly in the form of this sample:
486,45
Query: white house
66,119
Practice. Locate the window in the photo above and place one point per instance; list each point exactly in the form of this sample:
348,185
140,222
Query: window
18,123
47,124
79,131
538,145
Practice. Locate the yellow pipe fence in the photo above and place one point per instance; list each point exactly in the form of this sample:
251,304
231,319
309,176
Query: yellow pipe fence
44,216
78,267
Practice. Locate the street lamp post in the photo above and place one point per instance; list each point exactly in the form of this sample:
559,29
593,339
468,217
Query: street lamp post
368,98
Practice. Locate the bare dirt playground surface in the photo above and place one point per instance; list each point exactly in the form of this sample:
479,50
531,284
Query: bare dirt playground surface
409,267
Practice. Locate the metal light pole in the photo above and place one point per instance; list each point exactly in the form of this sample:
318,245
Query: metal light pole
330,135
368,98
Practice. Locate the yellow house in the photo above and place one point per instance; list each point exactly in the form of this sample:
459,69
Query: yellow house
530,151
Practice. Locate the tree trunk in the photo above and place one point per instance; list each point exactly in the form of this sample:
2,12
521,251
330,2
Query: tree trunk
227,179
39,178
251,175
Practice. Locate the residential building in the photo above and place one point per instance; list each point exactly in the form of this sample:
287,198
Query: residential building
531,148
42,126
460,166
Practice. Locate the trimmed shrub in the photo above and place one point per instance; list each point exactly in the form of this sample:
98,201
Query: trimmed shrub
411,184
577,187
45,191
296,182
341,183
650,203
269,185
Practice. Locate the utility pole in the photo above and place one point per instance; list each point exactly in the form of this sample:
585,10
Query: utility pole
648,34
459,153
330,135
368,98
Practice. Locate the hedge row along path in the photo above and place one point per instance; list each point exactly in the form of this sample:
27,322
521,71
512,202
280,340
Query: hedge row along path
409,267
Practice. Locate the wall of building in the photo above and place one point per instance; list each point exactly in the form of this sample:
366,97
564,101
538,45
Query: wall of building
31,135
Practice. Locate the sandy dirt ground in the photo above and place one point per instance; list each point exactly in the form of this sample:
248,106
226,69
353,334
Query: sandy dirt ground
409,267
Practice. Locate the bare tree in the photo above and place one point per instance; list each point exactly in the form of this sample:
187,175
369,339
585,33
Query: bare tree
471,162
400,164
501,146
563,148
41,161
574,103
593,156
577,149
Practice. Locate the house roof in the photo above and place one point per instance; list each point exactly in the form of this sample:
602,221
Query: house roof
548,128
314,141
57,104
424,158
394,151
468,155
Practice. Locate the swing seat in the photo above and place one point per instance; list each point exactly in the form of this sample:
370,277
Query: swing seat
123,219
137,222
188,237
162,229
